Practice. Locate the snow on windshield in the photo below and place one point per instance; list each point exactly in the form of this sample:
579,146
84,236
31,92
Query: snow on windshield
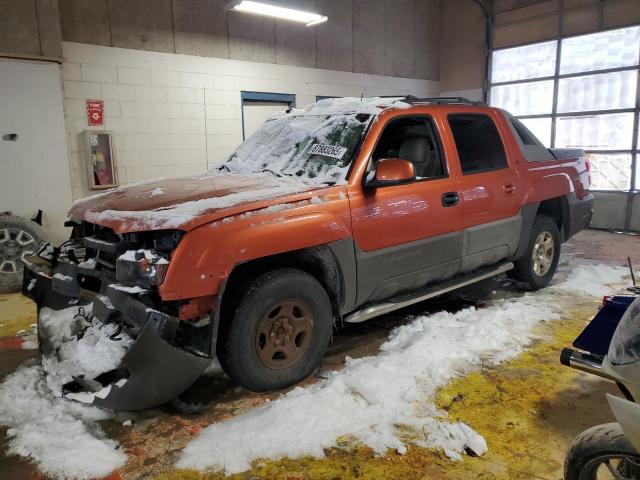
317,149
316,145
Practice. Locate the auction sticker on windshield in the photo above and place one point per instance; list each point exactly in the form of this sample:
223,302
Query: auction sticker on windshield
328,151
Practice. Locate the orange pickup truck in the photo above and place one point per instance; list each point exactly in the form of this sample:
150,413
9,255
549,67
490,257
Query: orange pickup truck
343,211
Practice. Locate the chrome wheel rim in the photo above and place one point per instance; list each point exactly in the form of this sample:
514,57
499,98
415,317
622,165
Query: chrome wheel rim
544,249
284,334
15,244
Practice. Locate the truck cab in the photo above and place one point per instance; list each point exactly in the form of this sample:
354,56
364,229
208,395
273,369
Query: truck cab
341,212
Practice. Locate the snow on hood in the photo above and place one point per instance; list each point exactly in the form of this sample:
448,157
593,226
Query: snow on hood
141,206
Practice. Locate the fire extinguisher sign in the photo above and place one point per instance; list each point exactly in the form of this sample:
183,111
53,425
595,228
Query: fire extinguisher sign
95,112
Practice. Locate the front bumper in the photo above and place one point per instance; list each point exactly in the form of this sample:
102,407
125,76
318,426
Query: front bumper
153,371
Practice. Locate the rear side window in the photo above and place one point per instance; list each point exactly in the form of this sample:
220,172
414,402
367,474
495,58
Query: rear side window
478,142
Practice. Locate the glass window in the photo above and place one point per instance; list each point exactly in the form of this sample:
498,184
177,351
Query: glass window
540,127
520,63
598,51
478,143
598,92
595,132
414,139
610,171
524,98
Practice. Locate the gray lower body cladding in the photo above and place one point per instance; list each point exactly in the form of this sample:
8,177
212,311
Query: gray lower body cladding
155,370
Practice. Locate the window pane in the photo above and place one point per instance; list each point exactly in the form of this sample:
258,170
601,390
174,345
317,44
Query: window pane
524,98
595,132
478,143
540,127
597,51
610,171
598,92
519,63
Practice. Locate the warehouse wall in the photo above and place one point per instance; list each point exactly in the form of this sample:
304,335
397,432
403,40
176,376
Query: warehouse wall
30,28
462,56
382,37
178,114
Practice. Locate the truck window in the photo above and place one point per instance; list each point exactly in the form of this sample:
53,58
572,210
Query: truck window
414,139
478,142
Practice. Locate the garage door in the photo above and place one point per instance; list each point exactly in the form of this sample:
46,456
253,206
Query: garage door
34,166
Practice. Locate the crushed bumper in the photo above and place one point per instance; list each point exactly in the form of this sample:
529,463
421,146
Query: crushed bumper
152,372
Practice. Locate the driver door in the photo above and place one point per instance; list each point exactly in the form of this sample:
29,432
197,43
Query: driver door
407,236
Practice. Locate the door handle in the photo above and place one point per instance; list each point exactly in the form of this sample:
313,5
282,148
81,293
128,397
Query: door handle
450,199
10,137
509,188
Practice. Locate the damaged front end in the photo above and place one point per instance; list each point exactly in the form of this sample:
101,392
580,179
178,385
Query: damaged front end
100,287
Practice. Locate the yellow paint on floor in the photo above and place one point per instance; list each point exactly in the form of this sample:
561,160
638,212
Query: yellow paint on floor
528,409
17,313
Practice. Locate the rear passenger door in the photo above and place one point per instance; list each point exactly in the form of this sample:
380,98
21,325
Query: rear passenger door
490,190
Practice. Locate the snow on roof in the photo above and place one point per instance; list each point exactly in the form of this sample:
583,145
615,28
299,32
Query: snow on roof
344,105
419,357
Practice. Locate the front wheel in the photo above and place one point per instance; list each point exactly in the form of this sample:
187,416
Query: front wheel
539,262
280,331
602,452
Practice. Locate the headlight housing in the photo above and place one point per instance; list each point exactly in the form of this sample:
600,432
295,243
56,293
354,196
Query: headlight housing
142,267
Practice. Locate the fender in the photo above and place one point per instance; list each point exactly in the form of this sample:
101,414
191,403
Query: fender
548,185
206,255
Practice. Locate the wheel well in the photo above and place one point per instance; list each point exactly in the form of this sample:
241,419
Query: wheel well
317,261
557,209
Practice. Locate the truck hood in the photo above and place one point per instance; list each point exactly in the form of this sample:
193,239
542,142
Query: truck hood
185,203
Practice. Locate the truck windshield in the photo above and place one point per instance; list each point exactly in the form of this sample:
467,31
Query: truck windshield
316,148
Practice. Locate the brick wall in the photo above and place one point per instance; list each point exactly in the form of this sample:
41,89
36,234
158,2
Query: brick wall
180,114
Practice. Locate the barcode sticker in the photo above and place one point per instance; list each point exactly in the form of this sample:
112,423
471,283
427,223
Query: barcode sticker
328,151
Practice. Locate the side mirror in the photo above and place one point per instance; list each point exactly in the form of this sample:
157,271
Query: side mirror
391,171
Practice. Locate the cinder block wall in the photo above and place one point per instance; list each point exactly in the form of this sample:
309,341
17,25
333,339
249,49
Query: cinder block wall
178,114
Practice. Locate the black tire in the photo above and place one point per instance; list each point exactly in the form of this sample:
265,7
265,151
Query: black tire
260,362
525,269
13,232
593,448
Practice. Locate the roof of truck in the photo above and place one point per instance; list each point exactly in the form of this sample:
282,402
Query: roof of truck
372,105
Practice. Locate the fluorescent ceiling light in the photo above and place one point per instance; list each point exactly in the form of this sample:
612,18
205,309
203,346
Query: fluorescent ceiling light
269,10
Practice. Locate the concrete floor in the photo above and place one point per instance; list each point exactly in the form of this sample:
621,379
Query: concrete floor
528,408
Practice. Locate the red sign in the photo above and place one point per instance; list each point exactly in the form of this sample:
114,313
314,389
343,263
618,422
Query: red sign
95,113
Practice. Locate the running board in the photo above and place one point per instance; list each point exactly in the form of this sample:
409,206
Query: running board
389,306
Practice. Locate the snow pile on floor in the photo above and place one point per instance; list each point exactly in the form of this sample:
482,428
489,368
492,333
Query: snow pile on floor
60,436
592,280
378,398
77,347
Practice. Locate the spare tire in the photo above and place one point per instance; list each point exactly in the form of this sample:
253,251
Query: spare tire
18,237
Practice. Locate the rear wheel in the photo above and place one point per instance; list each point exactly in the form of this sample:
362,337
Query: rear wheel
539,262
19,237
602,452
280,331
